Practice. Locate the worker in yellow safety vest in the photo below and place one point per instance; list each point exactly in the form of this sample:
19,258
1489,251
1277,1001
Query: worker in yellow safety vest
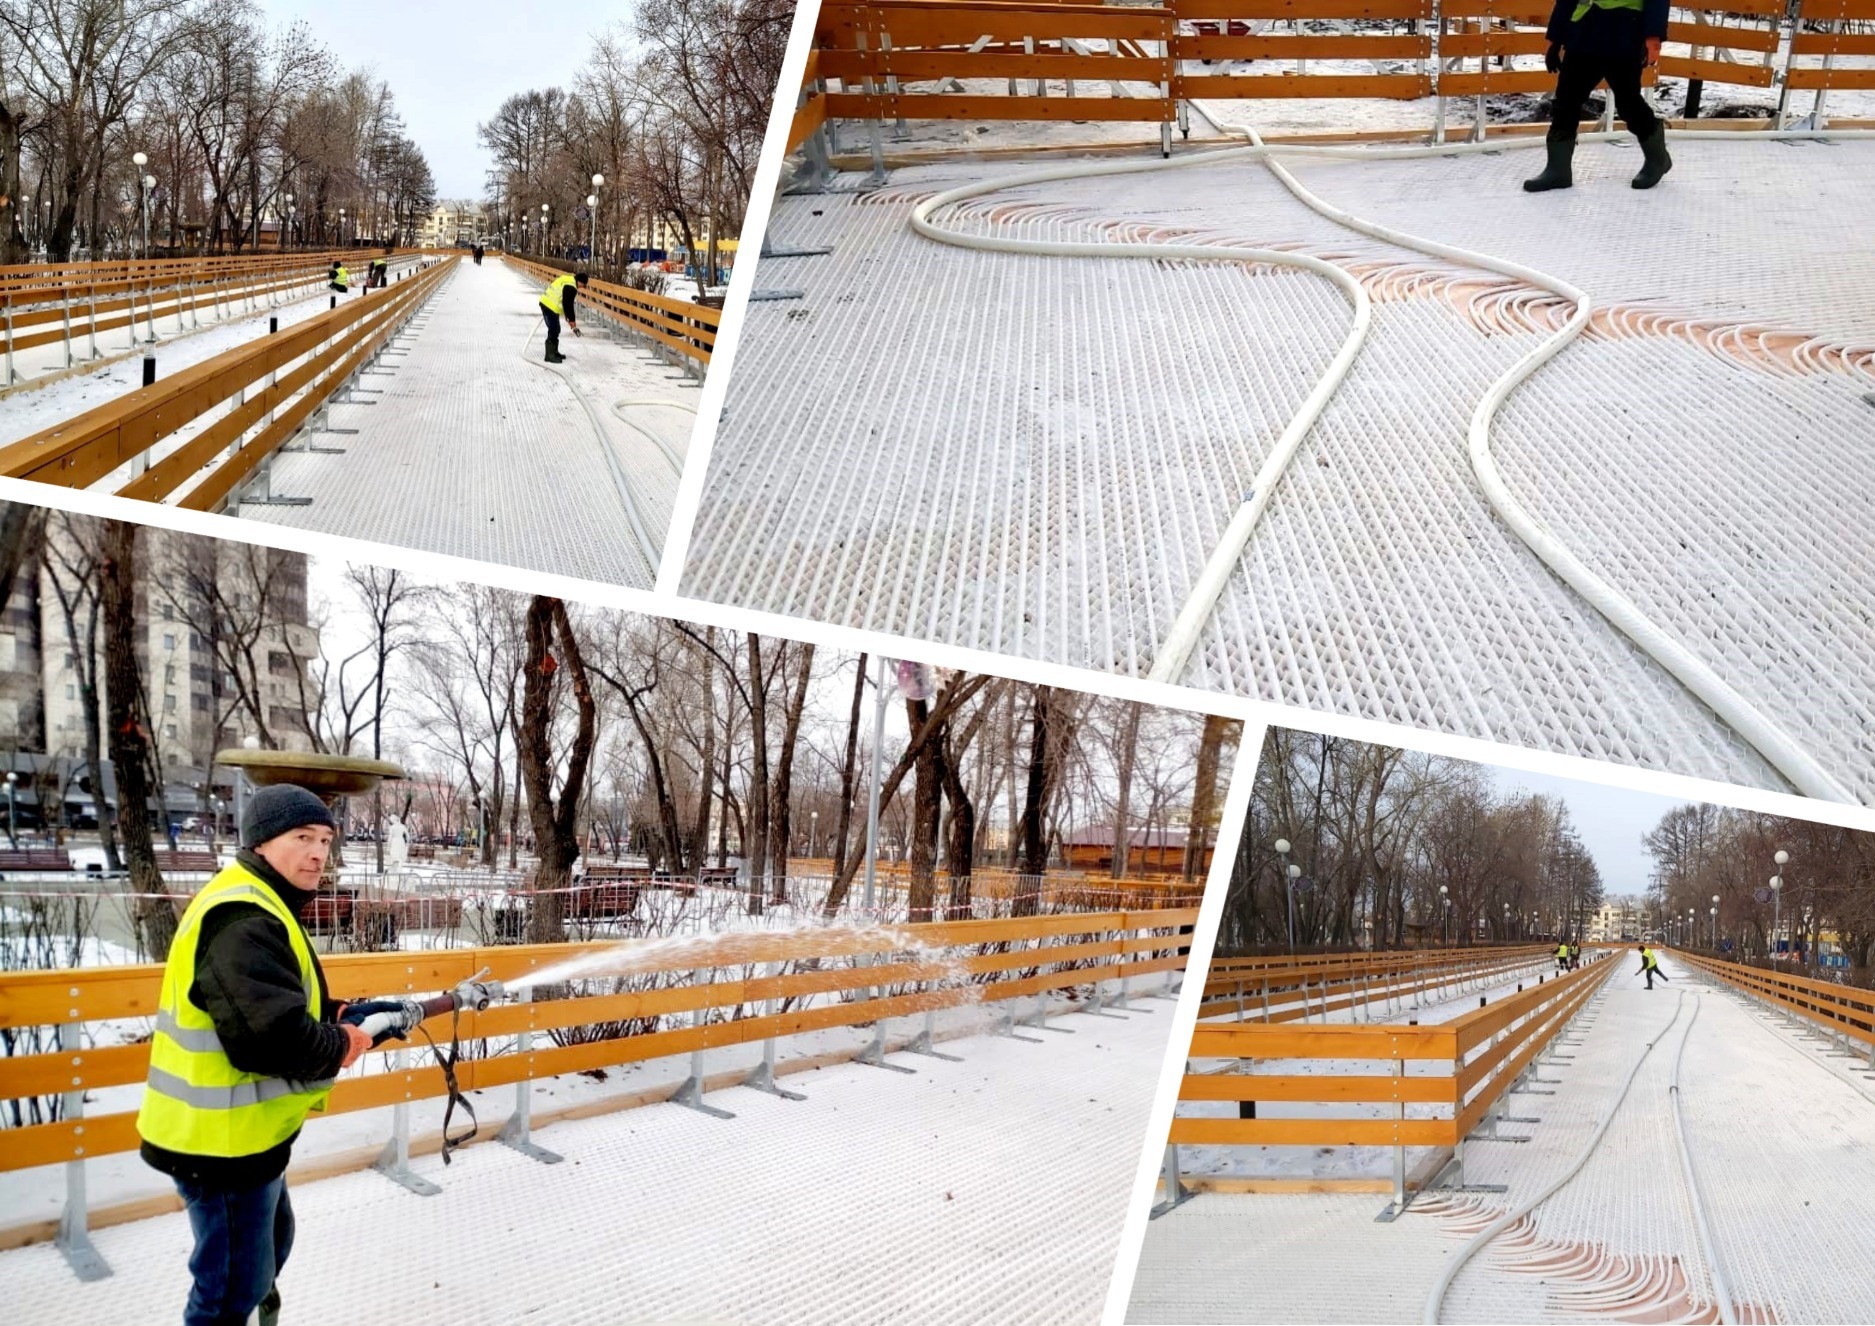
1595,40
1650,965
559,300
1562,956
341,279
247,1044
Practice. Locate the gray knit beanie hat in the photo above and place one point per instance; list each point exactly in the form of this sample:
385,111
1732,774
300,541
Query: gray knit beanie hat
280,809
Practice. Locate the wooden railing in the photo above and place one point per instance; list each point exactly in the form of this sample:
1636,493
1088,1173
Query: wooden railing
1373,1085
1284,989
1840,1010
688,329
722,991
895,60
271,386
46,303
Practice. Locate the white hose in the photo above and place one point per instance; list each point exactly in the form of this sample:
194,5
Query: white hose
1733,708
1435,1300
1722,1291
647,546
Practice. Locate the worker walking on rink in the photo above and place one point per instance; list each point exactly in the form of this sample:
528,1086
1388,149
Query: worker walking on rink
247,1044
1650,965
1595,40
1562,957
559,300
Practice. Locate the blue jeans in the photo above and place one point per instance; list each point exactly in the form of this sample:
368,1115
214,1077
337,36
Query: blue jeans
242,1238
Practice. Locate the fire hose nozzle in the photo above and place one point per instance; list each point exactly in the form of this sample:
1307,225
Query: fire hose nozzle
477,994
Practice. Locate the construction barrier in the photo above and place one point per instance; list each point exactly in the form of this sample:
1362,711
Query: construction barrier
1379,1085
270,388
1840,1010
674,325
888,61
44,303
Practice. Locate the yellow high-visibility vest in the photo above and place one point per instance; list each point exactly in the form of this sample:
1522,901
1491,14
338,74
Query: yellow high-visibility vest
1562,950
1648,959
552,297
195,1101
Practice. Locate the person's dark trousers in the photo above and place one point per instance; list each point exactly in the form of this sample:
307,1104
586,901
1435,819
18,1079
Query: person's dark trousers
1607,44
242,1238
1650,978
553,333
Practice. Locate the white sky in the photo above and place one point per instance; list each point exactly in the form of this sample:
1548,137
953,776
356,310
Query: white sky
450,66
1611,821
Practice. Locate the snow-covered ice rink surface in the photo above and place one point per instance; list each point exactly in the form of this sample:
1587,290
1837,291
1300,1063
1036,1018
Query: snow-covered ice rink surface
1034,455
476,449
987,1190
1782,1134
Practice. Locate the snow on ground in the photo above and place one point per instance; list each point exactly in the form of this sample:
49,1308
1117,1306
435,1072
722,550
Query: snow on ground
467,444
1038,460
1783,1140
991,1189
23,412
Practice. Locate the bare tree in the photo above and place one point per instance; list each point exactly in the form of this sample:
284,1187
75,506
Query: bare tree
130,739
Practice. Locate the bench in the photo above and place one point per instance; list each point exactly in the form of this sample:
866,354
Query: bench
35,859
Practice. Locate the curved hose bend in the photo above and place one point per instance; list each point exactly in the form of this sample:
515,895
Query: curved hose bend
1436,1299
1776,746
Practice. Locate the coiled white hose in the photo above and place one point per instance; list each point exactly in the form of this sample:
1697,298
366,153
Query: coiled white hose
1721,1289
1436,1299
1770,741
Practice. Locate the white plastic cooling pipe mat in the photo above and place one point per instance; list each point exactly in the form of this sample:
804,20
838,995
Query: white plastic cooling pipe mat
466,449
988,1190
1035,455
1784,1150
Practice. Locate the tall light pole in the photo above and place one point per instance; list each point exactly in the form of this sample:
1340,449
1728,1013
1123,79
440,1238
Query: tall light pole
288,232
813,833
140,160
341,227
1445,916
592,201
12,828
544,209
1289,892
1777,899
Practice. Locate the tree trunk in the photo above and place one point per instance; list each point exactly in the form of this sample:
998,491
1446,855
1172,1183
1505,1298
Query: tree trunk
755,850
926,802
1034,809
706,762
130,742
556,844
1204,794
961,841
781,814
1122,817
13,248
847,771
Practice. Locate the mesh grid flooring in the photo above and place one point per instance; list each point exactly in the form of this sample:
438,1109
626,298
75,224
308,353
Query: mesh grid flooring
992,1189
473,451
1785,1151
1033,455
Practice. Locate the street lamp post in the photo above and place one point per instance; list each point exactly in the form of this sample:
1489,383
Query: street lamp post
12,828
140,160
813,833
1777,899
287,234
1445,915
1289,893
592,202
545,208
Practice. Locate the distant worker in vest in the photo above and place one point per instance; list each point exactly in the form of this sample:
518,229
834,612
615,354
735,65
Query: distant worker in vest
380,274
1650,965
1595,40
557,301
247,1044
340,278
1562,957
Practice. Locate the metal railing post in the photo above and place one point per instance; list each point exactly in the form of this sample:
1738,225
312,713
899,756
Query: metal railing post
394,1161
517,1132
7,308
690,1093
65,311
763,1077
91,323
74,1237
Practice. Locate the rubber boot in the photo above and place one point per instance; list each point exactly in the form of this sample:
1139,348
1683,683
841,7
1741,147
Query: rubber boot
1658,163
553,351
269,1310
1557,174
